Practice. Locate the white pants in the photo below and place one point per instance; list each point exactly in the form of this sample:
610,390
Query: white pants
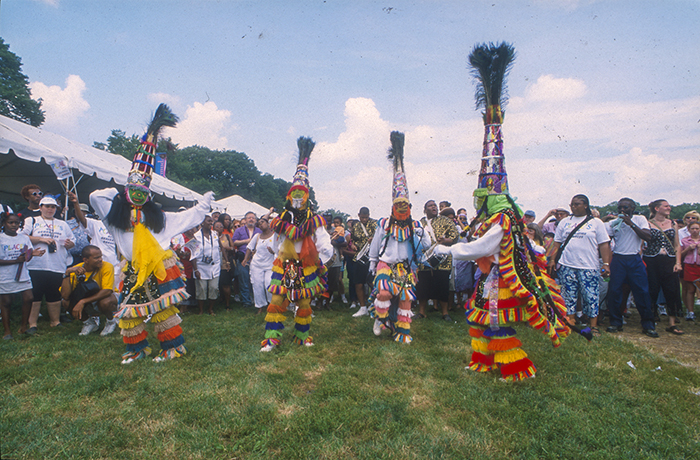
260,279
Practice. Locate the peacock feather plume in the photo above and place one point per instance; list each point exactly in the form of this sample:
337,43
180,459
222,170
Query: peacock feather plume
306,146
162,118
490,65
396,151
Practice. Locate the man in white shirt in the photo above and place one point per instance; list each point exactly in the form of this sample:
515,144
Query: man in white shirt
207,266
628,232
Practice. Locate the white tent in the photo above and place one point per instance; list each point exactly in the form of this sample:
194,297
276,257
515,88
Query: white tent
237,207
26,154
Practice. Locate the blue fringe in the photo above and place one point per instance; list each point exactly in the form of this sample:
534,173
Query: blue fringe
274,326
171,285
501,332
176,342
136,347
302,327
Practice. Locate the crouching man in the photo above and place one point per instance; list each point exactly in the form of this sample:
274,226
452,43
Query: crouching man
88,290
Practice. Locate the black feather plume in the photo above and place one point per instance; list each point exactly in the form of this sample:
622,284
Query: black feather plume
306,146
491,64
396,151
163,117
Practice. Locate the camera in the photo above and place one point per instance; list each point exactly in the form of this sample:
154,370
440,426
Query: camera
208,260
52,247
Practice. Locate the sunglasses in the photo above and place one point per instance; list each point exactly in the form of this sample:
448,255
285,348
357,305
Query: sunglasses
38,193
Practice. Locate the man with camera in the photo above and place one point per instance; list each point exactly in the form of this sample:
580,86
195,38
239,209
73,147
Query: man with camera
88,290
207,266
241,238
361,234
628,232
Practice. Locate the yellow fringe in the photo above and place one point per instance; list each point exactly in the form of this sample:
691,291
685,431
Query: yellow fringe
287,251
130,323
510,356
303,319
403,325
147,257
165,314
275,318
481,346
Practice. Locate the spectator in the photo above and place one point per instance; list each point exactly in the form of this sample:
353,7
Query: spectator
241,238
528,217
228,262
85,303
336,230
627,233
46,272
688,218
15,250
577,242
444,204
215,216
349,254
462,220
534,233
207,266
185,245
434,282
362,234
32,194
260,256
691,268
551,226
662,257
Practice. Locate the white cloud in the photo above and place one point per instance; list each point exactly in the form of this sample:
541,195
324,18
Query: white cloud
158,98
202,125
63,106
551,89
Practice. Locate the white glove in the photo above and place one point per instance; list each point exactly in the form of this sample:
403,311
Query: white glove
418,231
441,250
373,267
208,198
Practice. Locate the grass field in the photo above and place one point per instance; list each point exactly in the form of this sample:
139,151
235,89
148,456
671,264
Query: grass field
352,395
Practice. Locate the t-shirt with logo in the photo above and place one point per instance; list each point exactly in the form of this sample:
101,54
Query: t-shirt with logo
582,249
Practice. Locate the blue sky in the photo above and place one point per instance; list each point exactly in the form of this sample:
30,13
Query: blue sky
604,95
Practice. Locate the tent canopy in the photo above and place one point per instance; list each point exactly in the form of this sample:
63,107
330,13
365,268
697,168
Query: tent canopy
26,154
237,207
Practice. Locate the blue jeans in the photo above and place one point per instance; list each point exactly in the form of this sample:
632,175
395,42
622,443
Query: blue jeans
244,286
629,269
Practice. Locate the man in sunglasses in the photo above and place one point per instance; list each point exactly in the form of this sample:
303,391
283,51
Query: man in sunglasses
32,194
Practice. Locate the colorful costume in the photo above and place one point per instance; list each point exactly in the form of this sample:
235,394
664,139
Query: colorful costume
512,288
153,282
396,248
303,247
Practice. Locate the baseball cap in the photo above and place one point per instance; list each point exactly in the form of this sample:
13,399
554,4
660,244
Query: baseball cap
530,213
48,200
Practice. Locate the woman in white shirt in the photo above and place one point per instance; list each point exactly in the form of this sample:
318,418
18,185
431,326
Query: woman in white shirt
260,254
579,267
55,237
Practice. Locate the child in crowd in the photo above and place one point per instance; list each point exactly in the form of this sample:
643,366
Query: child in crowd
15,250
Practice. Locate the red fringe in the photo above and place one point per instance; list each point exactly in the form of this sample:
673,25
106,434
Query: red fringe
476,332
308,254
170,334
482,358
504,344
304,312
272,308
516,367
135,338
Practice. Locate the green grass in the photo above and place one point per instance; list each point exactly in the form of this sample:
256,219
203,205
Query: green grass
352,395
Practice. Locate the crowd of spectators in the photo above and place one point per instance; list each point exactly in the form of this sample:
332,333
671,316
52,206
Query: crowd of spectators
67,260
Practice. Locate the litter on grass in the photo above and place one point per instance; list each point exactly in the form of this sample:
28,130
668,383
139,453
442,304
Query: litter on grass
657,369
629,363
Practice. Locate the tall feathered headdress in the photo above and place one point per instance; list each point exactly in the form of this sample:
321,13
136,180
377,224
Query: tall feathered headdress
399,190
301,176
490,65
144,160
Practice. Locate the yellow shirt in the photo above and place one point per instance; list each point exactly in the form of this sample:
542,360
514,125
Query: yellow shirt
104,278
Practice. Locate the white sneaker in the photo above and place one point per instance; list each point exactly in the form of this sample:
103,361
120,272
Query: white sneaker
353,305
344,299
110,326
267,348
361,312
90,325
377,328
690,316
662,310
332,299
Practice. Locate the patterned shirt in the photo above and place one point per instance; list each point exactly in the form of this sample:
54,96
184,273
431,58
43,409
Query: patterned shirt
359,239
443,227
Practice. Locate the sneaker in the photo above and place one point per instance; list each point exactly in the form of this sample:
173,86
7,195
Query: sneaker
690,316
90,325
353,305
361,312
31,331
662,310
377,328
650,333
344,299
614,329
267,348
110,326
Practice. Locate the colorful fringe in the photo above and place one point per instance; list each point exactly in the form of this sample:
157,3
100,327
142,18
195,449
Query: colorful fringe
515,302
270,342
399,233
293,232
384,282
313,282
171,353
136,355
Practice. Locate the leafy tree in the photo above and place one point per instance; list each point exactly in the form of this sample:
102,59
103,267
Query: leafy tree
677,211
15,97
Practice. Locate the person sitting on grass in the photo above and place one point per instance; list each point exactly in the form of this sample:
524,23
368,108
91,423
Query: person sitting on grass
15,250
95,296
